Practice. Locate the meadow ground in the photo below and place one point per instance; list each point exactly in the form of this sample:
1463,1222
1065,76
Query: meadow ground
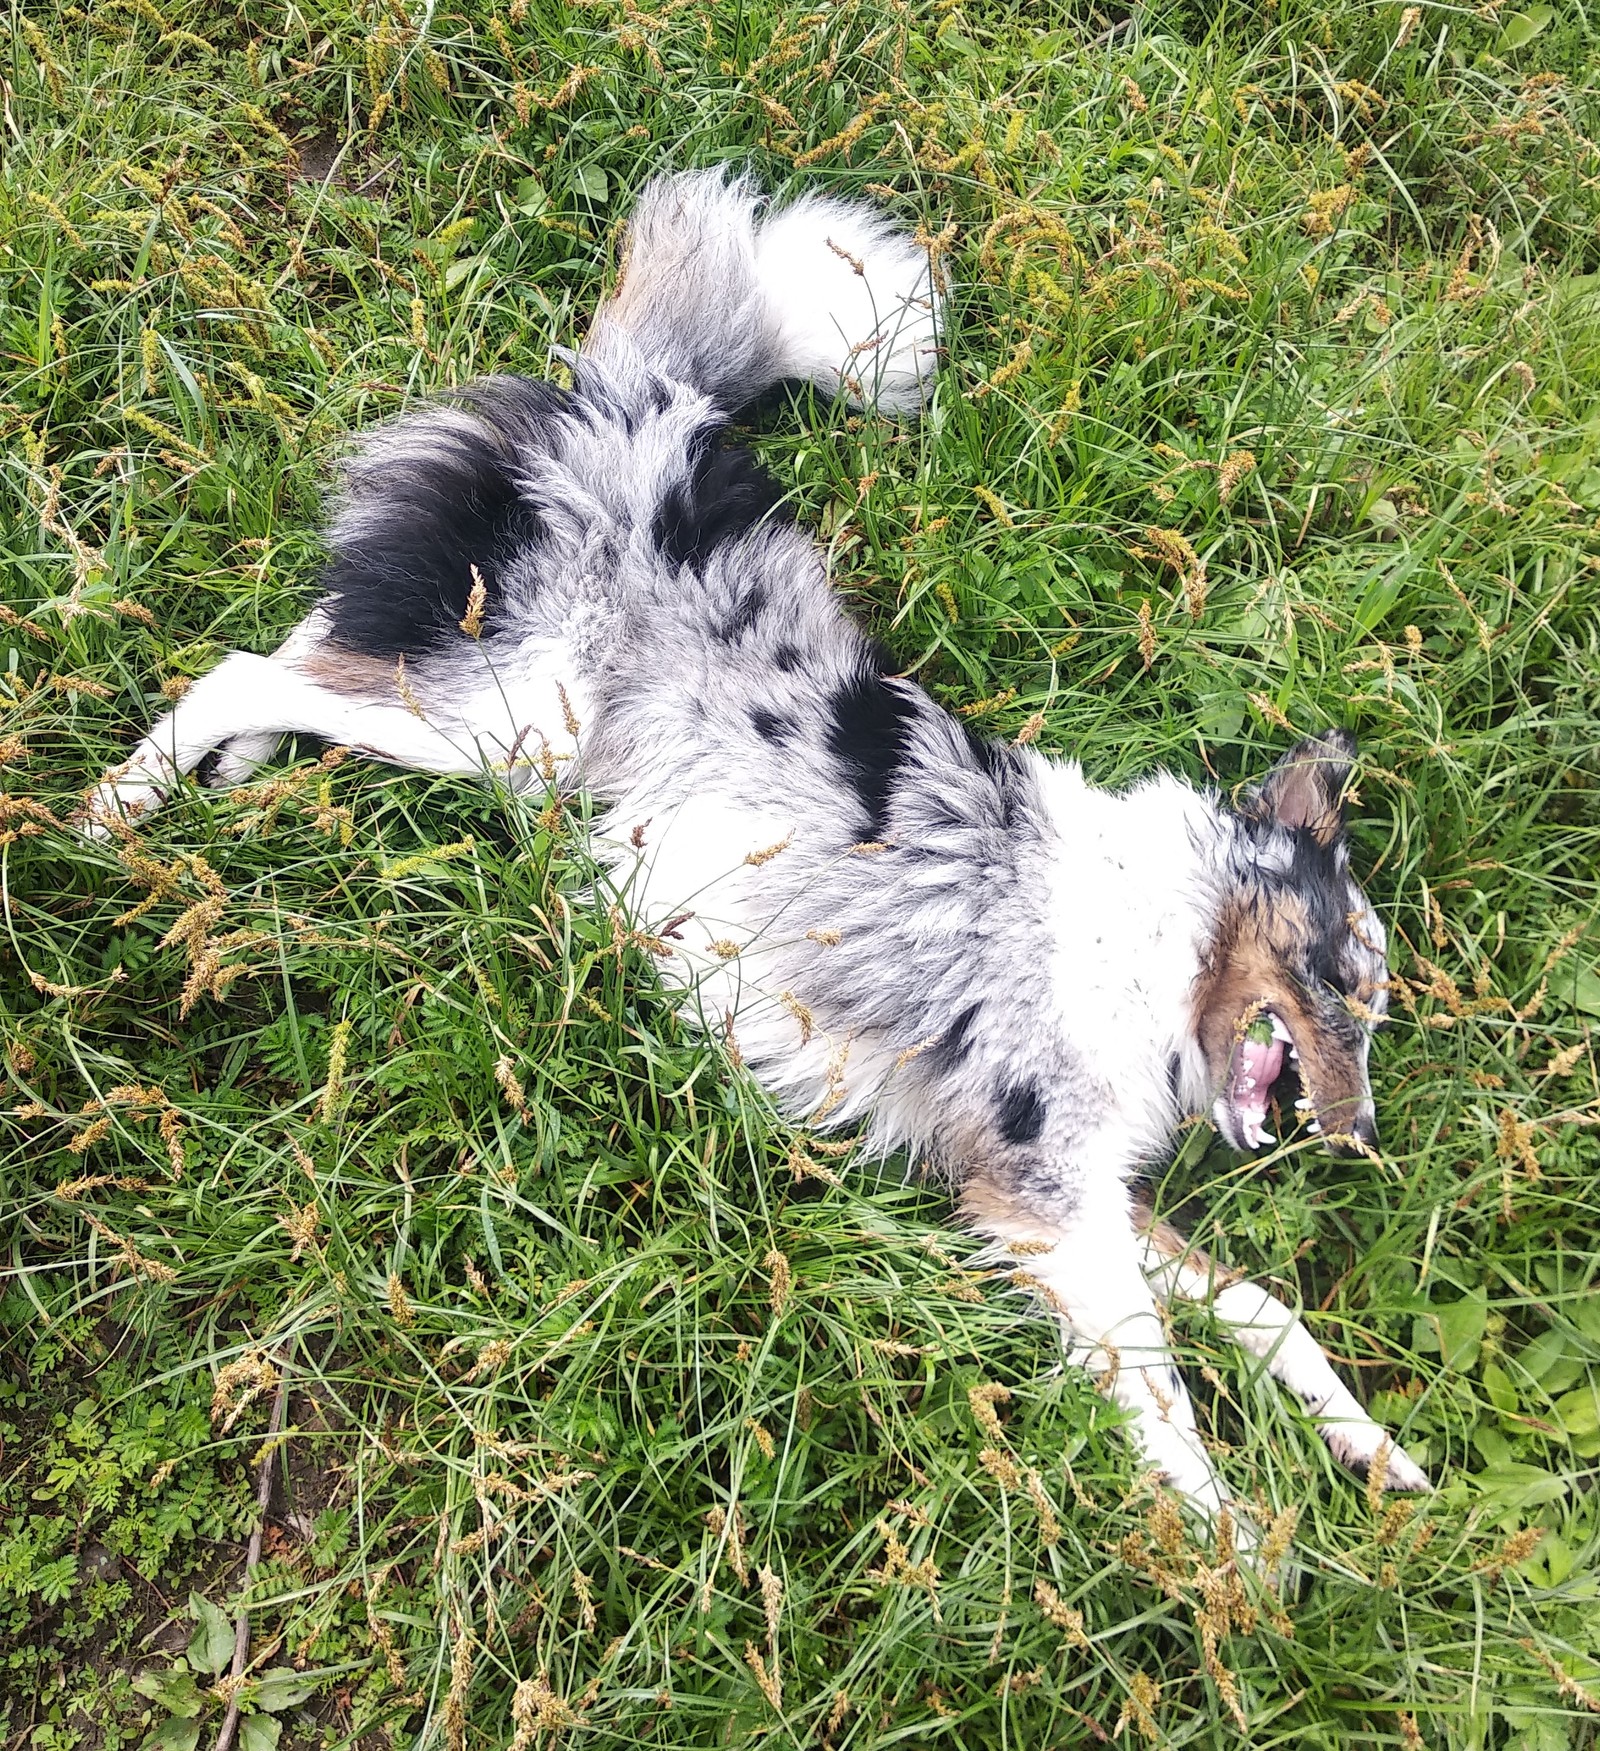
616,1412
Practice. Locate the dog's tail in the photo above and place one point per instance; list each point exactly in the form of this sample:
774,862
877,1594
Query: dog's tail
732,298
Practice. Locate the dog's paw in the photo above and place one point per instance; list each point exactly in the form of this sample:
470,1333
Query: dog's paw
1366,1447
236,761
124,796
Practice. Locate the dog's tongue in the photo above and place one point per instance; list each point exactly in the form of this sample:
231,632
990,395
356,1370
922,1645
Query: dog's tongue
1255,1068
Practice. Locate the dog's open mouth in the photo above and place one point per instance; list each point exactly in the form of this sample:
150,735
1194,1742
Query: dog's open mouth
1264,1062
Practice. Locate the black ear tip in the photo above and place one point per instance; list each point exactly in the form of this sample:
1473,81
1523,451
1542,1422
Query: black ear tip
1342,742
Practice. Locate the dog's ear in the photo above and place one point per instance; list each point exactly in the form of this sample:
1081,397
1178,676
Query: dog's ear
1305,790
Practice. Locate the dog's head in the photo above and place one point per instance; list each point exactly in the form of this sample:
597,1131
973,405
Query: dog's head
1297,978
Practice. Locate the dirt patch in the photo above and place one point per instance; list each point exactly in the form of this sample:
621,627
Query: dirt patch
342,164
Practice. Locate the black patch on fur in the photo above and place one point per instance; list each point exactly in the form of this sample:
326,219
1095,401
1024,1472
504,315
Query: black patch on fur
869,735
955,1043
1318,880
1019,1110
1006,768
430,515
771,726
726,495
742,616
995,758
787,657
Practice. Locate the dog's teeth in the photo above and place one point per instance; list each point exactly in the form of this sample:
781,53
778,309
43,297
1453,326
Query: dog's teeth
1312,1125
1280,1032
1303,1106
1265,1136
1294,1054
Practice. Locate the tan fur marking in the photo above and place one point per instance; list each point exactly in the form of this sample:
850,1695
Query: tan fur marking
990,1210
350,673
1256,947
1168,1243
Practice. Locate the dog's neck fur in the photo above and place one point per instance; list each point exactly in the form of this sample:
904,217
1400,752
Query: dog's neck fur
1137,883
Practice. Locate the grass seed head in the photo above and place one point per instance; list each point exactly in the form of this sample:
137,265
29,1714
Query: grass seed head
1139,1706
462,1660
301,1227
981,1400
477,598
238,1383
781,1282
771,1682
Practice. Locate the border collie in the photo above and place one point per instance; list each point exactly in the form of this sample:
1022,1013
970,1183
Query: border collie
960,947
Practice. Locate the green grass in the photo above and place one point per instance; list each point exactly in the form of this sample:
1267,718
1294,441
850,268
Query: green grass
602,1381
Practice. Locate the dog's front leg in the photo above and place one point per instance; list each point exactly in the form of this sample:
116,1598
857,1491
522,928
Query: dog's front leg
1085,1263
1264,1326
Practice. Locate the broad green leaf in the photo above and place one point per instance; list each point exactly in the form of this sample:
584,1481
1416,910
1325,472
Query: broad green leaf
1520,1486
1460,1325
1500,1388
280,1687
211,1646
1522,27
1548,1360
1556,1555
173,1734
592,182
1579,1410
461,270
175,1690
1586,991
259,1732
1220,715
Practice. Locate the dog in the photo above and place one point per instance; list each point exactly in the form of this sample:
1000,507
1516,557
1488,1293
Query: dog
960,948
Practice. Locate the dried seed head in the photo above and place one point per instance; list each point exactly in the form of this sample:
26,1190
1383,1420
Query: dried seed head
1165,1523
782,1282
1233,470
1144,1696
301,1226
1001,1467
238,1383
772,1606
582,1586
981,1400
1049,1526
771,1682
1062,1615
477,599
510,1086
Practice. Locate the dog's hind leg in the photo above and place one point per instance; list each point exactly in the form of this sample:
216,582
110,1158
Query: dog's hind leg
1086,1267
239,756
1265,1328
261,698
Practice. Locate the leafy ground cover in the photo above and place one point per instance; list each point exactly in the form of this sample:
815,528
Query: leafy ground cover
613,1411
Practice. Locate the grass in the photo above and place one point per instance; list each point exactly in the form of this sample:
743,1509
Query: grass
617,1412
